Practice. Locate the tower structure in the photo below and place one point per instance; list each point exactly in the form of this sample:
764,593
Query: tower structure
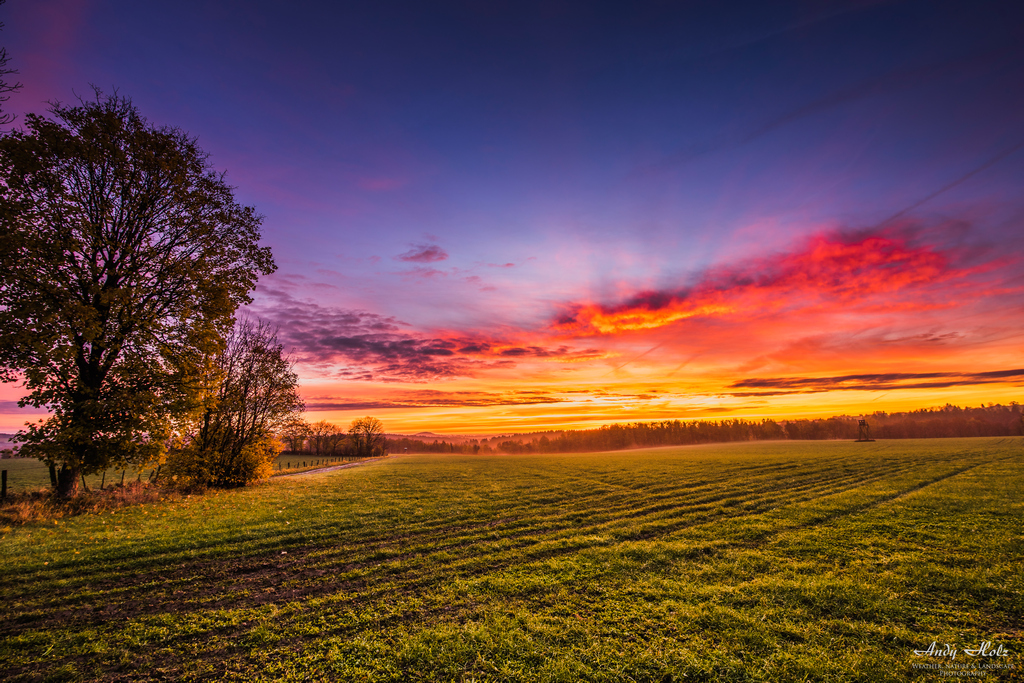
864,431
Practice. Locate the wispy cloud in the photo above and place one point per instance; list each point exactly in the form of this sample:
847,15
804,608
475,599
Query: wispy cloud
435,398
362,345
870,382
359,344
423,253
13,407
430,398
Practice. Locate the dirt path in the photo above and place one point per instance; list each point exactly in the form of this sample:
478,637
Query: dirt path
331,469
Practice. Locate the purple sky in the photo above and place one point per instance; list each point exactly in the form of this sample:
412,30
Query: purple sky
476,170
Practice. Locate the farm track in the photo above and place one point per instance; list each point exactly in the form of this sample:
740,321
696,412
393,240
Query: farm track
331,468
407,563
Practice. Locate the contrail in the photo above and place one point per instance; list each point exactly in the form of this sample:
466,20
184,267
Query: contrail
894,81
682,365
988,164
657,346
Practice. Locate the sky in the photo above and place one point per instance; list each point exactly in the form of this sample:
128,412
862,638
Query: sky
495,217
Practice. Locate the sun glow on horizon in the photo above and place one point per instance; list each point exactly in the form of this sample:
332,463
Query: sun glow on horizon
835,324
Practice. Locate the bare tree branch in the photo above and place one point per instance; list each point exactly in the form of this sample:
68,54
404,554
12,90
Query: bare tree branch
6,87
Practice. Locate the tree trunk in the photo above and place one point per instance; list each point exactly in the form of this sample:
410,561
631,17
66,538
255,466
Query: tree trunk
67,481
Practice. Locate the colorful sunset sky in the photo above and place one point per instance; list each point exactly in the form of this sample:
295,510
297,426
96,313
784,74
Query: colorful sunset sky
495,217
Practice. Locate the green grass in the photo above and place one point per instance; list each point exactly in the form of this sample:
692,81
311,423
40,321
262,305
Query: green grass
29,474
820,561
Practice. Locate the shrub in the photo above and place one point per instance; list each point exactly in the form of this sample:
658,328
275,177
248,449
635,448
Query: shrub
194,467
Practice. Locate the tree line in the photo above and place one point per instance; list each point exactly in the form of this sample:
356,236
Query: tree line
947,421
364,438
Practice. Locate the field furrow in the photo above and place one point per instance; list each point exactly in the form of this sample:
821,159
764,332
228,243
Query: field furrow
362,569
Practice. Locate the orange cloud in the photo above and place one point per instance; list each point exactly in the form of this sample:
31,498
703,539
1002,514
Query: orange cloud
874,272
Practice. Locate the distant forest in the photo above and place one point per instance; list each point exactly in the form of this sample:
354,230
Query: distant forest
949,421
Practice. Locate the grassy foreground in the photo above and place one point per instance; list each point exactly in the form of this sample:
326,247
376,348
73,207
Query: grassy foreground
29,474
820,561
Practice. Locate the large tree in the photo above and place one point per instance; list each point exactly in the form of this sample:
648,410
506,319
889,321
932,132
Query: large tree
123,256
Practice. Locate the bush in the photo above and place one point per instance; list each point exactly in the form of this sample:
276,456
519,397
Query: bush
193,467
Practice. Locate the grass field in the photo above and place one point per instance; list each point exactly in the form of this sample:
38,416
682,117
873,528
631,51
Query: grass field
29,474
785,561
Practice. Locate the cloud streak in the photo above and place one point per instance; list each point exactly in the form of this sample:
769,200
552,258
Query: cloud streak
360,345
871,382
429,398
851,272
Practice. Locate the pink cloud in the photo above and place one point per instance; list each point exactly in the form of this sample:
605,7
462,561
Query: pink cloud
423,253
361,345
